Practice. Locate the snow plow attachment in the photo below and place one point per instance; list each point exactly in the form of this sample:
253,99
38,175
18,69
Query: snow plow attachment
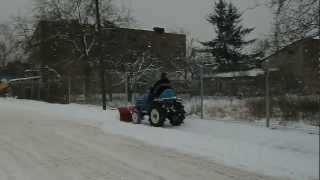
126,113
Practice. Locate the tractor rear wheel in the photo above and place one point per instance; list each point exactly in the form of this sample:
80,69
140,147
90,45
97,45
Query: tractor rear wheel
177,118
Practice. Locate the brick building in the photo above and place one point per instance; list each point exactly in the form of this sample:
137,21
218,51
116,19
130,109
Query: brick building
71,49
57,41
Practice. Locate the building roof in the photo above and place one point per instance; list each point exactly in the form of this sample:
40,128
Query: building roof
291,46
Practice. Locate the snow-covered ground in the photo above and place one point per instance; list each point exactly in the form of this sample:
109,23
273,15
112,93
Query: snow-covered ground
47,147
279,153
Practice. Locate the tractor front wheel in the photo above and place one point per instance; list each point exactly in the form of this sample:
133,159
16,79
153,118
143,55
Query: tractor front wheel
136,119
157,116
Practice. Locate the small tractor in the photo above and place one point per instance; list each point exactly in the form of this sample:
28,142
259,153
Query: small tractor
165,107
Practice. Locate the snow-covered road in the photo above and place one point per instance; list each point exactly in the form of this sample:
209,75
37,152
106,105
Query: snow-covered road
39,133
38,146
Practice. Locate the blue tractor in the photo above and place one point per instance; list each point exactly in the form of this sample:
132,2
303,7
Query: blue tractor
159,109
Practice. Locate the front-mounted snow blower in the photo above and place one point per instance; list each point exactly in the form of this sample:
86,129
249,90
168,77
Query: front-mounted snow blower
165,107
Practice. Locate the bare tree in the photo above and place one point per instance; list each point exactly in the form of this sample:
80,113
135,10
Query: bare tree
10,49
191,59
141,72
262,47
6,43
83,49
189,63
295,19
136,70
83,11
24,27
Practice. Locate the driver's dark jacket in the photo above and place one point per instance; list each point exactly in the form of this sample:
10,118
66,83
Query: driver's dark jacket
160,86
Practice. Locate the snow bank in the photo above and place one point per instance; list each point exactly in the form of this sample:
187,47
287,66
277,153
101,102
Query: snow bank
281,153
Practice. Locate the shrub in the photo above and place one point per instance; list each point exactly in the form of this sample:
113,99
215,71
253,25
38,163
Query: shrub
256,107
288,108
299,107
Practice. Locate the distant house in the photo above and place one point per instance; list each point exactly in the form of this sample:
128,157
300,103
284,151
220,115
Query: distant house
40,84
298,67
236,83
295,69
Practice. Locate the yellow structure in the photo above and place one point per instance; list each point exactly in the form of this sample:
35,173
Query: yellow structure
4,88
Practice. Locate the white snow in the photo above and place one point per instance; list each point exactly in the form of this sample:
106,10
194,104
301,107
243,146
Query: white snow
251,73
280,153
24,79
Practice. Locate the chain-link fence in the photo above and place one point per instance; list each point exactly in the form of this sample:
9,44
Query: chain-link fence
121,89
250,95
237,95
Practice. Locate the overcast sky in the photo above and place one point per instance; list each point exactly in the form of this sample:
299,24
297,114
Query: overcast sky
171,14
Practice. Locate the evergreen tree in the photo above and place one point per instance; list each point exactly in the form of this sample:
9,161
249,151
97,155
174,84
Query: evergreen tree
227,46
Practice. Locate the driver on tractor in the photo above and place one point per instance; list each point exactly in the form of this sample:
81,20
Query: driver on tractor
161,85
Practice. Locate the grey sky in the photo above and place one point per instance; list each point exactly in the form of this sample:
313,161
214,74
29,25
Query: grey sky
191,14
9,7
171,14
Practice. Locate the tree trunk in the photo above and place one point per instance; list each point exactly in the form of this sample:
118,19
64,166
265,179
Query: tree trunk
110,95
129,95
87,75
129,91
69,90
87,86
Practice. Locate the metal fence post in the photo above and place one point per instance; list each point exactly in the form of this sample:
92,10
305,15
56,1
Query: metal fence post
69,90
267,79
201,90
39,89
126,86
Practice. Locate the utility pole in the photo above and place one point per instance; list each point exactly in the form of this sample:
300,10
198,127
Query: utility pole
102,67
267,95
